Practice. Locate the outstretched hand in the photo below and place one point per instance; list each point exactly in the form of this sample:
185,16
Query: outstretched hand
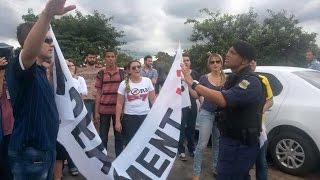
118,127
186,73
57,7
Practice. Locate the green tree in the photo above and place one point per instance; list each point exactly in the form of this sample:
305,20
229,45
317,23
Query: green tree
278,39
78,33
30,17
123,58
164,56
163,64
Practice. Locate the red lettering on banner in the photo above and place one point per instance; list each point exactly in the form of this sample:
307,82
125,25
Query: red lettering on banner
178,73
178,91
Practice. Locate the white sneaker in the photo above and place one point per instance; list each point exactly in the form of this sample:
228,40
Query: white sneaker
214,171
182,157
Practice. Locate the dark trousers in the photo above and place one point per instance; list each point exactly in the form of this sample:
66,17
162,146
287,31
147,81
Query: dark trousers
89,103
5,171
188,124
32,163
130,125
235,159
157,86
62,154
105,120
261,163
70,162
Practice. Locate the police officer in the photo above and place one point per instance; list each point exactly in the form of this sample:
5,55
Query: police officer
240,102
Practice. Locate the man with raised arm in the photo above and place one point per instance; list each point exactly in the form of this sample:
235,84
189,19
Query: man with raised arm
33,140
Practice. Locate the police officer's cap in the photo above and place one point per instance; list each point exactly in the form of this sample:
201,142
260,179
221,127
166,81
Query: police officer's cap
245,49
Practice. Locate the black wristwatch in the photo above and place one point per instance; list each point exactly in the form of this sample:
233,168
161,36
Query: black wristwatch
194,84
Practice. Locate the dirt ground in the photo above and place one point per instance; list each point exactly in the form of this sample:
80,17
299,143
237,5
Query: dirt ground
182,170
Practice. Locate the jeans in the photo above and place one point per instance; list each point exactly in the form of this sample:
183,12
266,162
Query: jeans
32,164
188,125
261,163
207,127
5,171
104,131
70,162
130,125
89,103
235,159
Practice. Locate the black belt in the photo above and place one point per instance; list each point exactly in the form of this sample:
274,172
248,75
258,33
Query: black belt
247,136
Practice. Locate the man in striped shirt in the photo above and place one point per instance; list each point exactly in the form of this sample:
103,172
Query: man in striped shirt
89,73
107,84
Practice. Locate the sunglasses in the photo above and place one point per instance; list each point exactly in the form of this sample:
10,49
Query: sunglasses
215,62
48,40
135,67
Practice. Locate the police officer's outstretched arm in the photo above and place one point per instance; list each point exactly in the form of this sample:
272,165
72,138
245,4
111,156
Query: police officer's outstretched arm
34,41
212,95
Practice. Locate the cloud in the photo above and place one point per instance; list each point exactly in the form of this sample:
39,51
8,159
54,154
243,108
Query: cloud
183,9
310,11
158,25
8,21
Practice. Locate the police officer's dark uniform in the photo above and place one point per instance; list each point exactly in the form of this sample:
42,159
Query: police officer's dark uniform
240,120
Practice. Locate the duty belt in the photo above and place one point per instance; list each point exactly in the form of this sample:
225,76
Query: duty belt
248,136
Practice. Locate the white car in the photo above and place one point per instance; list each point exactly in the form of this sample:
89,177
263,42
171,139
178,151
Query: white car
293,122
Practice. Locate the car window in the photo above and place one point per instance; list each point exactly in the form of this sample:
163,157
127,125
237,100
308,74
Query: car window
312,77
275,84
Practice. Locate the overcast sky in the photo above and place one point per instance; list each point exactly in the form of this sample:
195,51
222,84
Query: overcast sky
157,25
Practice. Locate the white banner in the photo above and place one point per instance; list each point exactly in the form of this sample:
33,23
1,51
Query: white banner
185,94
151,152
77,132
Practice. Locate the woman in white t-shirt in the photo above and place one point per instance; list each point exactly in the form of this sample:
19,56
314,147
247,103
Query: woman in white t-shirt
80,83
134,94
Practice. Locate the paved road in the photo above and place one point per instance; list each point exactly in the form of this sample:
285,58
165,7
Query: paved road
182,170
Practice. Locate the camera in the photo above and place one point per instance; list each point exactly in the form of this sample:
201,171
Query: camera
6,52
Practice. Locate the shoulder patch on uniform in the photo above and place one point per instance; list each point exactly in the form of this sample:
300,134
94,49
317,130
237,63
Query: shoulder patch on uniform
244,84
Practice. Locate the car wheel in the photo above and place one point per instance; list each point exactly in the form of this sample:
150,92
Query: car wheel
293,153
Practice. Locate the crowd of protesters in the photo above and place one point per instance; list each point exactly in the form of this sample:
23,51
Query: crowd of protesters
123,96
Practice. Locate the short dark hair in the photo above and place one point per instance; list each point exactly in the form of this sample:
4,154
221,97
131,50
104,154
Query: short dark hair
23,30
185,55
108,51
313,51
147,57
90,51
